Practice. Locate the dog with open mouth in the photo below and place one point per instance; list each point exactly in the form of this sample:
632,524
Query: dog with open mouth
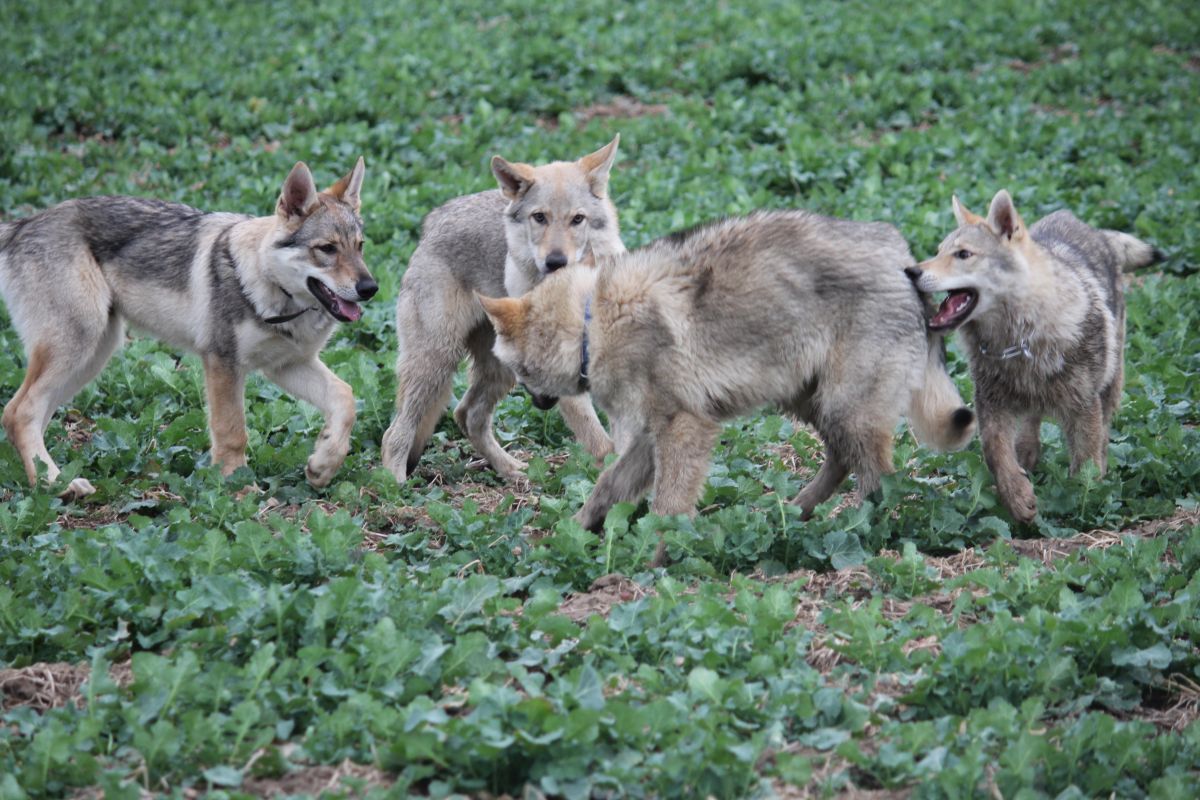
1042,315
244,293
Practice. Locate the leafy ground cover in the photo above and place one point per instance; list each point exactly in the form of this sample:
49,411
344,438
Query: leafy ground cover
182,634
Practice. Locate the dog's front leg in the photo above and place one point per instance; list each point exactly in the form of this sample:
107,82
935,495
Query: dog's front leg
999,450
313,382
580,416
626,479
683,448
1087,437
225,387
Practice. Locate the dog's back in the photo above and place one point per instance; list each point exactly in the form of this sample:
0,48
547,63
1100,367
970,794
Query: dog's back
1085,251
760,304
466,237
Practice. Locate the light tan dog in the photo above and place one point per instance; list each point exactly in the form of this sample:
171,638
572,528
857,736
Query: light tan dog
499,242
1042,314
245,293
789,309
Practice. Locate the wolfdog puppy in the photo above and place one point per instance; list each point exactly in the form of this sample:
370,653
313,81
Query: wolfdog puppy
500,242
1042,313
784,308
245,293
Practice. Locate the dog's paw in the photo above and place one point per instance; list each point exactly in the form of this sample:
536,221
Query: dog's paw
77,490
511,469
600,450
1019,499
320,469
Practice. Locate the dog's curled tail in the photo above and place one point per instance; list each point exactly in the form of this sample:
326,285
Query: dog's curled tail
1133,253
937,414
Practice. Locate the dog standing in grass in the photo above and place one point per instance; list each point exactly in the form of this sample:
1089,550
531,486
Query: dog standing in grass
785,308
244,293
499,242
1042,314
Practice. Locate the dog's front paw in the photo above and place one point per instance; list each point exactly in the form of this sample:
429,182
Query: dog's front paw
321,468
77,490
1018,497
600,450
511,469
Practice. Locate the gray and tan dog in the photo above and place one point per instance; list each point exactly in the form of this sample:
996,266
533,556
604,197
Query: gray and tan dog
1042,313
783,308
500,242
245,293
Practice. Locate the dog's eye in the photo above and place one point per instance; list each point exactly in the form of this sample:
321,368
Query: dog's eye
577,219
962,254
328,247
539,217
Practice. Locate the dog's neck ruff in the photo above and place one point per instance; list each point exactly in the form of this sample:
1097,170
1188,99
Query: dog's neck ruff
584,357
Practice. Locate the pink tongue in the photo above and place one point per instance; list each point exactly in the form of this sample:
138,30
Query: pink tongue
350,311
953,304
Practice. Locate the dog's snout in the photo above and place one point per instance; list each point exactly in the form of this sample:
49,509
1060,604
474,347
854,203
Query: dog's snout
556,260
914,273
366,288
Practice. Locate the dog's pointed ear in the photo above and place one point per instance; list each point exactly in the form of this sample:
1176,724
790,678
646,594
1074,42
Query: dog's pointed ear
963,214
299,194
348,187
514,179
1003,217
597,165
506,313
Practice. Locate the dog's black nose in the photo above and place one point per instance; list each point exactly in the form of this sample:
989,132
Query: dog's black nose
913,273
366,288
556,260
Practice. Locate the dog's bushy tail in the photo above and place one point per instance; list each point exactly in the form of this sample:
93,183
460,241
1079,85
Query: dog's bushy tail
937,414
1133,253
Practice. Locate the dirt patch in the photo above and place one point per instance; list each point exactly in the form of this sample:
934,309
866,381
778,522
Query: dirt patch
602,596
620,107
346,780
1067,51
825,767
53,685
1192,64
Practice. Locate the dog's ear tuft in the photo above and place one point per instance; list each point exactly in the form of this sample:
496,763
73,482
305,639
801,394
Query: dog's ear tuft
1003,217
506,313
299,194
514,179
963,214
348,187
597,165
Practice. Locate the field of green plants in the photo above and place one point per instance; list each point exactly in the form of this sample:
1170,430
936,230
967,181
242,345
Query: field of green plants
180,634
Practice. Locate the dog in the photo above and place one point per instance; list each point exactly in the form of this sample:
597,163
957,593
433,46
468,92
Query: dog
789,309
1042,315
245,293
500,242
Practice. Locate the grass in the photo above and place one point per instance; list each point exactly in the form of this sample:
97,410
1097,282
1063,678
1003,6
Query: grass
182,633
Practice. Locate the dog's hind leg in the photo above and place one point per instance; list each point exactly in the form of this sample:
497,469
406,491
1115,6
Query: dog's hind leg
423,390
57,371
490,381
225,386
580,416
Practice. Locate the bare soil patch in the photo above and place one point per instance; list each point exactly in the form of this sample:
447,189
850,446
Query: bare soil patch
345,780
619,107
605,593
44,686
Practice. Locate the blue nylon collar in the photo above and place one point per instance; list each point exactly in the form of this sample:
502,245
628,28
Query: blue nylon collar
583,356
